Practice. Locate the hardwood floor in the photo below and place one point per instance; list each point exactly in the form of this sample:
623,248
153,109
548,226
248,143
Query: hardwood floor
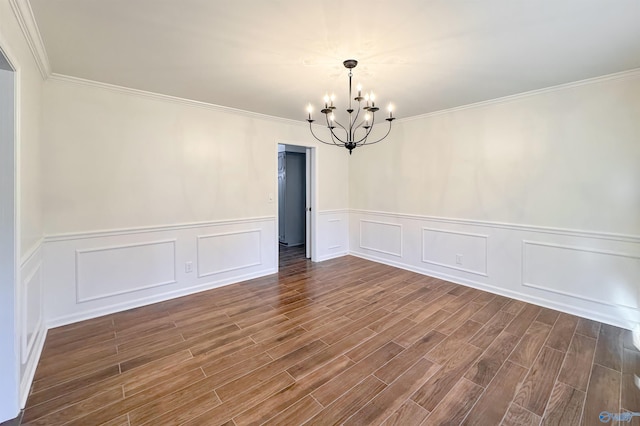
343,341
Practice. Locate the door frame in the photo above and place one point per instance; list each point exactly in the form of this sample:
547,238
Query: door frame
10,242
312,154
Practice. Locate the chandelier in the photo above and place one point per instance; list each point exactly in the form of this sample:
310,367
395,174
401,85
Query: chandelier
355,133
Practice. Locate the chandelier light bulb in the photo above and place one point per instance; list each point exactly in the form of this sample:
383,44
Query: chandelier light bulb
309,110
359,90
326,101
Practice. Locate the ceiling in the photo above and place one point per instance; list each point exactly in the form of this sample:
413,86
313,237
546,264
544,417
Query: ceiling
274,57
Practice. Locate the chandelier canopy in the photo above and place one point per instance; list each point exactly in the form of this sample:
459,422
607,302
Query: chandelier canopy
355,133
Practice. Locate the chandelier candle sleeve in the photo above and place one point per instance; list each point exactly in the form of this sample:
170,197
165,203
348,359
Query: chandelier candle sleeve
354,133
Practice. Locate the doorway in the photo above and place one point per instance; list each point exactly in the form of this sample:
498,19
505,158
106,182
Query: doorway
9,364
295,195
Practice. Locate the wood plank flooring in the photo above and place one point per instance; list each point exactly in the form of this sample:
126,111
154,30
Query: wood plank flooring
346,341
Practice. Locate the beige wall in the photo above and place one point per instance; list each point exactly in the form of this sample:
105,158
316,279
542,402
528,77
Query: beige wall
566,158
119,160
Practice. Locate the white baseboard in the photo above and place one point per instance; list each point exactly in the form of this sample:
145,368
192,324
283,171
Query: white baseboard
31,366
330,256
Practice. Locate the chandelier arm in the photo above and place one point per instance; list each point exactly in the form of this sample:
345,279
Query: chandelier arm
387,134
320,140
360,125
363,141
343,128
333,134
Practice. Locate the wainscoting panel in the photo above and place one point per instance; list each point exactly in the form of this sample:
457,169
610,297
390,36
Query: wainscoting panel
228,251
104,272
461,251
333,228
586,273
92,274
31,310
333,234
381,237
608,278
31,324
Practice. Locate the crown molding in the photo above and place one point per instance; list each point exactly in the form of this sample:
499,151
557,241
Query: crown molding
168,98
589,81
189,102
24,15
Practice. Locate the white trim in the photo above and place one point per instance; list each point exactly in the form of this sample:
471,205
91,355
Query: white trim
158,228
131,290
24,15
31,252
378,250
583,249
28,344
173,99
11,404
334,211
630,238
69,319
30,372
515,97
333,255
235,268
